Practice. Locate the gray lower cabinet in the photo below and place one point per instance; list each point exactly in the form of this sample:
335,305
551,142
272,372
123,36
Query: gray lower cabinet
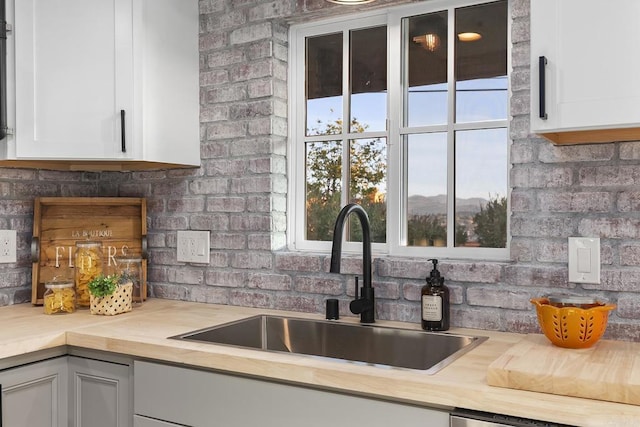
35,394
198,398
67,391
99,393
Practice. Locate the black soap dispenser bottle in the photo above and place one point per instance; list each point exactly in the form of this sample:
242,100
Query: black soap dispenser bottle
435,302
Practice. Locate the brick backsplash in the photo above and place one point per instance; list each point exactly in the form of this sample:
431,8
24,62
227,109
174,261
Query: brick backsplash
239,194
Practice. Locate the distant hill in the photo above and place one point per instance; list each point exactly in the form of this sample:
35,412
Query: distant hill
422,205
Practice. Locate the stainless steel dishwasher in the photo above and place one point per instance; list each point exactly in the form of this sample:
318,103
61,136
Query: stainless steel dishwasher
464,418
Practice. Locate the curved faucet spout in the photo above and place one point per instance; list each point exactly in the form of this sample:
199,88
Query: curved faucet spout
365,306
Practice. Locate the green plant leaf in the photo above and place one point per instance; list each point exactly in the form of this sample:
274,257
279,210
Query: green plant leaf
103,286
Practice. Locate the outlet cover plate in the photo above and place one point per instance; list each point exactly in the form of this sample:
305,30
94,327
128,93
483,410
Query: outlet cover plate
193,246
8,244
584,260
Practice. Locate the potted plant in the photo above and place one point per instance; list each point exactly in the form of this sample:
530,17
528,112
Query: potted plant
110,294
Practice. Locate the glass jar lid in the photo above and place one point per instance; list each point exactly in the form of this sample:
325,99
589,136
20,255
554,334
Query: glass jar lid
58,285
127,259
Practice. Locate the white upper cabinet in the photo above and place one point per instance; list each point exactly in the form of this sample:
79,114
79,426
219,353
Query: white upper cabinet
105,84
591,73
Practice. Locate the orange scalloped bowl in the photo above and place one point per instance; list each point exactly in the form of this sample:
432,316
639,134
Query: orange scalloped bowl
572,327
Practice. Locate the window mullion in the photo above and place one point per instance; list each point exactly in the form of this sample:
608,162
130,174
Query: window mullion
451,111
492,124
346,112
396,176
297,50
424,129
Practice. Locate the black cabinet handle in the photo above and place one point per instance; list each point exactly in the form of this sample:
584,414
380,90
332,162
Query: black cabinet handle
124,144
542,62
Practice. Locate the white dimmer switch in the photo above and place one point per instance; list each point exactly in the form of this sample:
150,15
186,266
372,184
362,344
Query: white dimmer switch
584,259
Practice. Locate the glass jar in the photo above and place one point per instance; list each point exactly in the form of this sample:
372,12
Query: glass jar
88,265
130,270
59,297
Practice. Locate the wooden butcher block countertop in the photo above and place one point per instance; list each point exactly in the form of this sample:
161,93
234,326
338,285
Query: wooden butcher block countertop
609,370
143,333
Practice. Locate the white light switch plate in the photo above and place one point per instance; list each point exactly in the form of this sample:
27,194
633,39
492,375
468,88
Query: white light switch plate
584,259
193,246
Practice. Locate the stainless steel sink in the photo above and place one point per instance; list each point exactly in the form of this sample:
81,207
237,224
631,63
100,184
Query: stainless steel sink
377,345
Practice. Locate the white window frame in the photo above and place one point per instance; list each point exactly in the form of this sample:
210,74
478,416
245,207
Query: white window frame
396,179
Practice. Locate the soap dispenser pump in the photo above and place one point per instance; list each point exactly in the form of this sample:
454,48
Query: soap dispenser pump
435,302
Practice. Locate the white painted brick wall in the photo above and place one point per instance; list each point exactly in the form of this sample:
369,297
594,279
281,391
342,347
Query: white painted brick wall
239,194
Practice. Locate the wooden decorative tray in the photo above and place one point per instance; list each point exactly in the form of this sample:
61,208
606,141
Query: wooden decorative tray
120,223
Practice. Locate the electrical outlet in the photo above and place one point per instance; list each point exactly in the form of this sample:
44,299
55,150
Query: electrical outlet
8,243
193,246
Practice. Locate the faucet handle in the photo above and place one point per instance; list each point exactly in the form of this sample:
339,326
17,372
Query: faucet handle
357,286
364,303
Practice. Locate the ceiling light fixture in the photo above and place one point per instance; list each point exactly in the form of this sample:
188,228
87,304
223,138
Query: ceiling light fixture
431,42
350,2
469,37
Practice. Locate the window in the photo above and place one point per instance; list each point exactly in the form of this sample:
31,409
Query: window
405,112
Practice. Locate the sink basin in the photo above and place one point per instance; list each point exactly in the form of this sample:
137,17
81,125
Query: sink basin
368,344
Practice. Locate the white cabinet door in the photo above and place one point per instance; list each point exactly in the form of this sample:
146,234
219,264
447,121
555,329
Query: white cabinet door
35,395
206,399
591,70
105,80
99,393
166,119
74,75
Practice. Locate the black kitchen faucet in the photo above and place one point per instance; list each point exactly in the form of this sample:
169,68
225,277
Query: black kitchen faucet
365,304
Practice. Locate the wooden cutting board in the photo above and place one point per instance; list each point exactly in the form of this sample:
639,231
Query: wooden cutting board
610,370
